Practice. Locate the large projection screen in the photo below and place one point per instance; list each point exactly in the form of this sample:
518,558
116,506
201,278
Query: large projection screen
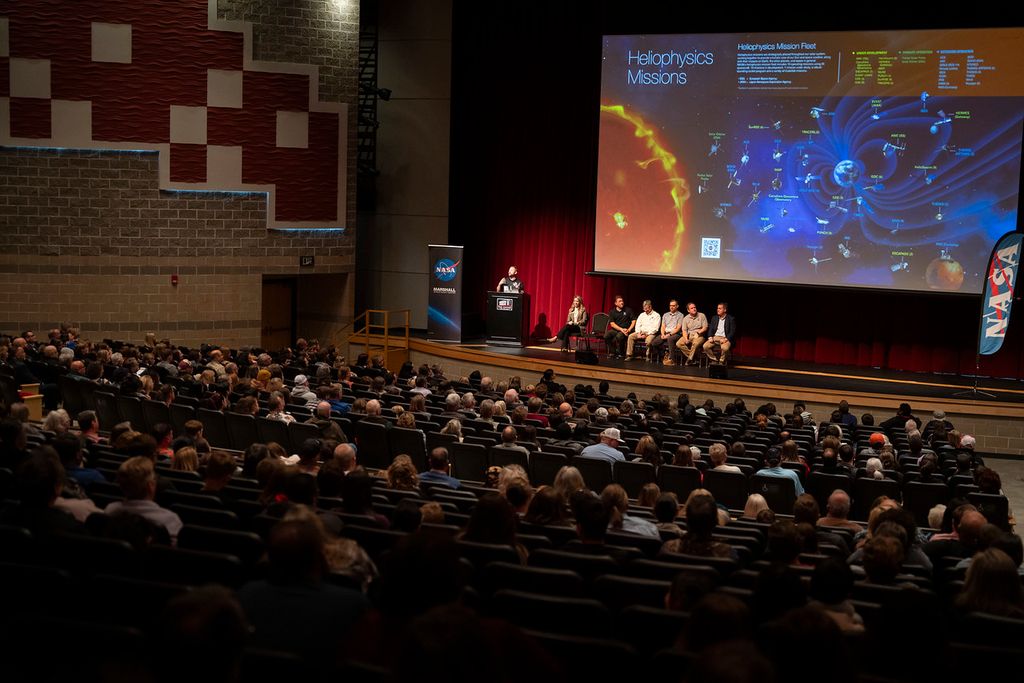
877,159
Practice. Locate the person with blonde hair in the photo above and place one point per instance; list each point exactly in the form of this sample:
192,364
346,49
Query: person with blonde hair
57,421
185,460
454,426
575,321
568,481
648,495
755,503
402,475
511,474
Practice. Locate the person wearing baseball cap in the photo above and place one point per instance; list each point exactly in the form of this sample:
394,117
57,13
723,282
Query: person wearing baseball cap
875,443
301,389
606,448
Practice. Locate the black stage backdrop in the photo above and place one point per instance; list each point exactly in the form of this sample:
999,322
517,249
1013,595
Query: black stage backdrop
525,93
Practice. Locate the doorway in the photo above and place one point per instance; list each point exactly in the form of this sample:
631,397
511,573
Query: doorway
278,325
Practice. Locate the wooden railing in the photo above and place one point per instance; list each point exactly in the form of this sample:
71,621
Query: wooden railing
380,331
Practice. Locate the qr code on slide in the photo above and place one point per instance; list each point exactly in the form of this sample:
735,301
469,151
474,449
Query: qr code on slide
711,247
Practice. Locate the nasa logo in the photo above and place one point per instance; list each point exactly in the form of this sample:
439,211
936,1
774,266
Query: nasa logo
445,270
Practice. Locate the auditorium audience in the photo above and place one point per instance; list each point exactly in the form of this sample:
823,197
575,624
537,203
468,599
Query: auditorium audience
298,608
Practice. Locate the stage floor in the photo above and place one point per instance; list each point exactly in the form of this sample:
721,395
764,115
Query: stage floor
795,375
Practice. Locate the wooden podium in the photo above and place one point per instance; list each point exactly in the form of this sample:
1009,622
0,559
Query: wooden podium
508,319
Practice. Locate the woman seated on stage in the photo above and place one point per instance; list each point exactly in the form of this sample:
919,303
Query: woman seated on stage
574,322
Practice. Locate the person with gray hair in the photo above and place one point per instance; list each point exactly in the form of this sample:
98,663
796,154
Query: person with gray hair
511,399
468,405
719,455
452,407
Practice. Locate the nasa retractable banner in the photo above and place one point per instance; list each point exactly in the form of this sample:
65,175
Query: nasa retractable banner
997,294
444,312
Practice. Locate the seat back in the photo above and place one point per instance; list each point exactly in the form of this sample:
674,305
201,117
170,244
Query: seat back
596,473
272,431
513,576
156,412
180,414
372,439
71,395
130,408
821,485
409,442
503,457
620,592
215,427
544,466
107,410
245,545
192,567
920,497
571,616
995,507
728,488
679,480
865,491
633,476
469,461
241,430
779,492
599,324
298,432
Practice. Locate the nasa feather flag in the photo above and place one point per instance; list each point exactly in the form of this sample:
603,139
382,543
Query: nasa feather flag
444,303
997,295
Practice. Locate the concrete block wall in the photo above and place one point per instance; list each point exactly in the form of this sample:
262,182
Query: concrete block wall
89,238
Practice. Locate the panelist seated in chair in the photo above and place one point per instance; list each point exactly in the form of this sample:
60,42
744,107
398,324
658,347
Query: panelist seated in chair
620,324
671,330
695,326
722,330
575,321
647,326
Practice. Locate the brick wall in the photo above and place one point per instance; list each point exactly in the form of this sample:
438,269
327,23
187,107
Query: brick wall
320,32
87,236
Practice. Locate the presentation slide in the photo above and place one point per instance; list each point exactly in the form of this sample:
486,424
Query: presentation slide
872,159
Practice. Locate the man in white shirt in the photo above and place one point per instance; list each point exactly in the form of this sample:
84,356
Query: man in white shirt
695,326
647,325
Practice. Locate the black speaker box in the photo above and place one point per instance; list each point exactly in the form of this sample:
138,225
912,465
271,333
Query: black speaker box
586,357
718,372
